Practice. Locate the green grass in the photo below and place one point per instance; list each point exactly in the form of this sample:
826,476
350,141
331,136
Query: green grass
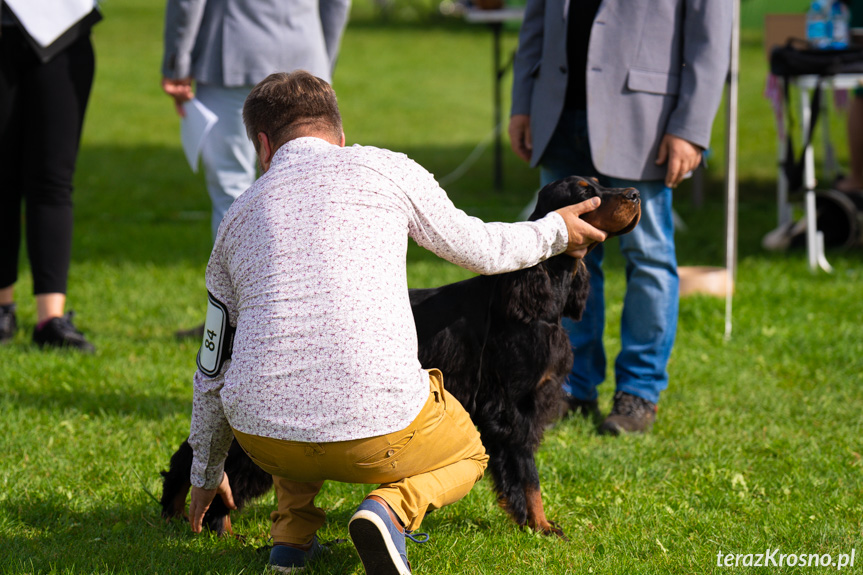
758,442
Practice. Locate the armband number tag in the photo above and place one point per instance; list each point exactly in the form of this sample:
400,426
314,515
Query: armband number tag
218,338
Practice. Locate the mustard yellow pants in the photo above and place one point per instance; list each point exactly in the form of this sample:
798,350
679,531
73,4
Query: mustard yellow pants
433,462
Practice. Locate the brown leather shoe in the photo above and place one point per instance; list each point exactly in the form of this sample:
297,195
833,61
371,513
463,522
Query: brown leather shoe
630,414
586,408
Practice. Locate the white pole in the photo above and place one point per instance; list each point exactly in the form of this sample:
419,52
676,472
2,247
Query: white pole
731,167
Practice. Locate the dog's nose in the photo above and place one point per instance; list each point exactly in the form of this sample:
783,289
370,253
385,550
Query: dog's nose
631,194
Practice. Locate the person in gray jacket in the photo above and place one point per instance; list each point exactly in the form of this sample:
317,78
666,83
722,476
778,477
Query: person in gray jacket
627,92
224,48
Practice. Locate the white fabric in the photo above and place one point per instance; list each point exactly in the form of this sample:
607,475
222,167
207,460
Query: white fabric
46,20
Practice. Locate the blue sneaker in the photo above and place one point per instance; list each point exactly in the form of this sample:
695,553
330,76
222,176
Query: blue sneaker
379,541
286,559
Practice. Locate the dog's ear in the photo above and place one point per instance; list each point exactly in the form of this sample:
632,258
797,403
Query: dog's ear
527,294
578,292
560,193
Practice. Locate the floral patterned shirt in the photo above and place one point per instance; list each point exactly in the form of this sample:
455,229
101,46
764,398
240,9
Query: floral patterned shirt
310,263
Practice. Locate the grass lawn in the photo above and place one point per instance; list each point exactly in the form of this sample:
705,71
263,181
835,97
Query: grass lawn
759,438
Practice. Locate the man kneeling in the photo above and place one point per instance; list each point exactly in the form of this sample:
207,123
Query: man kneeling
310,351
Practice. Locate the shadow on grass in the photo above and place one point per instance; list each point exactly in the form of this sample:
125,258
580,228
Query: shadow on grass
121,402
52,535
56,537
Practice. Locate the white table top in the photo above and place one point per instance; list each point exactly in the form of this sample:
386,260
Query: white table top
476,16
837,81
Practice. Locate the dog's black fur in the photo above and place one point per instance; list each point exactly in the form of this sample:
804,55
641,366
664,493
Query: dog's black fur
248,482
499,342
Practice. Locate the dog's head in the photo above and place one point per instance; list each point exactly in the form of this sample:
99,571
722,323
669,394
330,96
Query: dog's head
618,213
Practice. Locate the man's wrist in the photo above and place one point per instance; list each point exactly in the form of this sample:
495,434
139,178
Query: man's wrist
561,233
209,479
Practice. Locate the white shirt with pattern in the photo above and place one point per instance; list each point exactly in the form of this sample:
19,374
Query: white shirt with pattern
311,265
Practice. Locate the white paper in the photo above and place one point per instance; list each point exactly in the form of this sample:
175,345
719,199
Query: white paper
46,20
194,128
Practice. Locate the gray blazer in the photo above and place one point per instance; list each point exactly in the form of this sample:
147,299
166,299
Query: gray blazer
653,67
240,42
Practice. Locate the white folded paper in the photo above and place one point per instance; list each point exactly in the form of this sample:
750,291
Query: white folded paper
194,128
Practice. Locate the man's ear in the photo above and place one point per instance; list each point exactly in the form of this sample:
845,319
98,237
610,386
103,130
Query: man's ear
342,144
265,151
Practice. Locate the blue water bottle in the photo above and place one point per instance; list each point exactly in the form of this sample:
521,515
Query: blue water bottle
840,18
818,31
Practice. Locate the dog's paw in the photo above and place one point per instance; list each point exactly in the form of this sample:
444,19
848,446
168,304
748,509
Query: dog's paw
555,529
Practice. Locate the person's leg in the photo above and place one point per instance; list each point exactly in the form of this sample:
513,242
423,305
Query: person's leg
8,319
57,95
649,318
297,477
436,463
297,519
296,514
15,56
569,154
7,295
227,154
433,462
854,180
49,305
443,458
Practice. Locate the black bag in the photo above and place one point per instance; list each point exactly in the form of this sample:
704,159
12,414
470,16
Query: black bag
798,58
838,217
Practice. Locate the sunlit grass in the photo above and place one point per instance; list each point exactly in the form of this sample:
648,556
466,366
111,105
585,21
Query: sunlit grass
758,442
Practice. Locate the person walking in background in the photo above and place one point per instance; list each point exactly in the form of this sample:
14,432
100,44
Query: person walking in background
44,91
224,48
626,92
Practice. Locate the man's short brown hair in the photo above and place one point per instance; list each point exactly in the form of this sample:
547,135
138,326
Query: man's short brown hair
287,106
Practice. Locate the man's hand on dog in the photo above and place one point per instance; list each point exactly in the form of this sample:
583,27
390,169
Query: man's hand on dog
582,235
202,498
680,155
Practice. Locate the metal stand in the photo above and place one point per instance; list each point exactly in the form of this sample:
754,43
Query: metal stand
731,169
814,248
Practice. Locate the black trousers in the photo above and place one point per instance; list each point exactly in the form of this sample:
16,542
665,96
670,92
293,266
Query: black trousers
41,114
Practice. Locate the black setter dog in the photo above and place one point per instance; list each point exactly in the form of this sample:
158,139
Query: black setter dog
499,342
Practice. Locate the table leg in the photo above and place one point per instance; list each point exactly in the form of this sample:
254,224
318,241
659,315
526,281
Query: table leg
815,255
784,212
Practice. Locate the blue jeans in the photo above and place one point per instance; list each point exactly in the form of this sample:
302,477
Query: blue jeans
649,320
